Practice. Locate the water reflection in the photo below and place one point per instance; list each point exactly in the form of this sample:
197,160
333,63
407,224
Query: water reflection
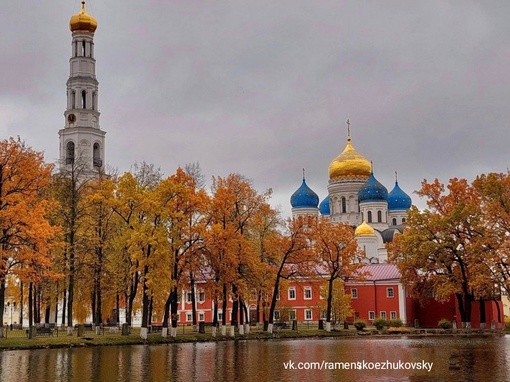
454,359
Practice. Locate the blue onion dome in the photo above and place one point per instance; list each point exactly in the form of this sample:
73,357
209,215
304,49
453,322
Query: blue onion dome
398,200
324,207
304,197
372,191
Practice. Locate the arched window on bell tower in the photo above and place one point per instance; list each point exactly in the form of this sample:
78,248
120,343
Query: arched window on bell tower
70,153
83,99
97,155
73,99
93,101
344,205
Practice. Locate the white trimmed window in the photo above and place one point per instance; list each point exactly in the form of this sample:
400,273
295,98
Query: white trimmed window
292,293
220,316
393,315
276,315
371,315
383,315
308,293
188,297
322,293
390,293
201,317
354,293
308,314
201,296
292,315
188,317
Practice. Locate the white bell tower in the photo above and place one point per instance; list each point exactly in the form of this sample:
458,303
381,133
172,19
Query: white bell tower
82,142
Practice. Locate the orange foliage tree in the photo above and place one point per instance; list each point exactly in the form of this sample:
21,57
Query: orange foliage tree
337,251
234,203
442,246
26,236
291,255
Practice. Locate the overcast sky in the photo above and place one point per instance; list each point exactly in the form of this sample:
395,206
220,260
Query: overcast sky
264,87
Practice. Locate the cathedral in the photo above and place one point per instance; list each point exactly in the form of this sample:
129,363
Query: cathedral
357,198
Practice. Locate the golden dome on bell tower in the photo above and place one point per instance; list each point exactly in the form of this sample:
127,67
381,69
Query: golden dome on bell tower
82,21
350,163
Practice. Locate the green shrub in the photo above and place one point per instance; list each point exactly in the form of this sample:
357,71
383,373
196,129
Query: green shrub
444,324
380,323
360,324
395,323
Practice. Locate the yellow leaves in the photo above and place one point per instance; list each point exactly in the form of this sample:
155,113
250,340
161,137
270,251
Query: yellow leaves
26,236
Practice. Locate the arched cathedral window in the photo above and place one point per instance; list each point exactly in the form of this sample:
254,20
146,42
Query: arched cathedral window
70,153
369,217
97,156
344,205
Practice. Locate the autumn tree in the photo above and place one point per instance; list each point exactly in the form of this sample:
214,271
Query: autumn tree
290,256
101,224
141,201
184,205
68,188
264,234
26,236
234,203
442,244
494,192
341,306
337,251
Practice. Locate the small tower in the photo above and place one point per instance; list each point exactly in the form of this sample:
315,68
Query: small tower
82,142
367,242
304,201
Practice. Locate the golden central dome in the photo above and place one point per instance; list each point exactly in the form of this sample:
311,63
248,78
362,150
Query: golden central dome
364,230
349,164
83,21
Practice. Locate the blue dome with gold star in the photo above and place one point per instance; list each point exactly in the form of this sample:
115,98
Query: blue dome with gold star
398,200
372,191
324,207
304,197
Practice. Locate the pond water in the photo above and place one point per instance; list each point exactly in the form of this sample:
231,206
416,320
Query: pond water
347,359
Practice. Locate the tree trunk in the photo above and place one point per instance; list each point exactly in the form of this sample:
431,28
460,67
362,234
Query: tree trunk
166,311
235,307
193,302
330,300
21,303
2,302
64,306
145,299
273,305
174,311
464,302
224,306
30,308
483,318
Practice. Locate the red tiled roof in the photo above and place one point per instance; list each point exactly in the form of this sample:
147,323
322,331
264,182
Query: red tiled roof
379,272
